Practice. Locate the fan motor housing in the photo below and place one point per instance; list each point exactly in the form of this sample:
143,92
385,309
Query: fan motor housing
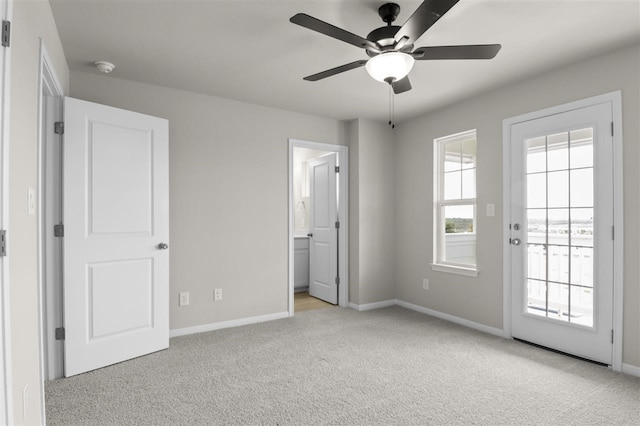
384,37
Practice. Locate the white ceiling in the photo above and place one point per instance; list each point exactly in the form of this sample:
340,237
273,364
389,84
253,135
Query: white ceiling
249,51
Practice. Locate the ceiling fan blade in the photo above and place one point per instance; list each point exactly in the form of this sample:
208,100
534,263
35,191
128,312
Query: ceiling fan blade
336,70
471,51
322,27
401,86
423,18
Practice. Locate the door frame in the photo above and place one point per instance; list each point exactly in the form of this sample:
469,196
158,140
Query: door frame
343,216
615,99
51,355
6,400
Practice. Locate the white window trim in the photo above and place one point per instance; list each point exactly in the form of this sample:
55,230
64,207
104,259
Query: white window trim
454,269
438,190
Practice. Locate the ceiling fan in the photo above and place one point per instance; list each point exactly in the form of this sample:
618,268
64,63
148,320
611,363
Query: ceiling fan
390,48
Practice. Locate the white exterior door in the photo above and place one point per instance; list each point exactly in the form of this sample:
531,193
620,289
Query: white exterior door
561,231
116,217
323,242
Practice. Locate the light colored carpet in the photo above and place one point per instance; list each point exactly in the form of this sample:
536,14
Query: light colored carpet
338,366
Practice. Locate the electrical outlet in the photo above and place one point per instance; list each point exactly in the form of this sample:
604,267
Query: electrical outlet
425,283
217,294
184,298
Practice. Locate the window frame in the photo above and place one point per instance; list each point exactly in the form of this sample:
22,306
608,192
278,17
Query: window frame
439,204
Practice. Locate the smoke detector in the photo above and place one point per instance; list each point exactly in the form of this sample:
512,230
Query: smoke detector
104,67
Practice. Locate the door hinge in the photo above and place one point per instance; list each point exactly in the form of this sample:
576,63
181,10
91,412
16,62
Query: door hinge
58,230
612,128
6,33
611,336
337,280
613,232
337,169
60,333
58,127
3,243
337,225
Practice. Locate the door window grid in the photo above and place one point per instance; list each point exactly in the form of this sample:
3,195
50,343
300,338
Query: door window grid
560,226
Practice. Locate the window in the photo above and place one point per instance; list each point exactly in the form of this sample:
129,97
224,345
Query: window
455,203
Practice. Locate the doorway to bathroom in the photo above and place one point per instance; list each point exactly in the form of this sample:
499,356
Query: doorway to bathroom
318,226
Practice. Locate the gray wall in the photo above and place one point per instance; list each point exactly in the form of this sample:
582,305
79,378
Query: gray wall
228,194
31,22
480,299
372,210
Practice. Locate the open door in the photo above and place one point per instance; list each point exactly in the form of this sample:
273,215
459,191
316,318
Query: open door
323,241
116,235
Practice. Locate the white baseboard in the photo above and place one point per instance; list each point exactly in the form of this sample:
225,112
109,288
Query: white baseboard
451,318
427,311
226,324
375,305
631,369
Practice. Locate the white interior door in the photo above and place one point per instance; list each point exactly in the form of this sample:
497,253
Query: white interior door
323,242
116,212
561,231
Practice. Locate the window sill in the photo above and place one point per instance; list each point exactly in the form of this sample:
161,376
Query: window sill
460,270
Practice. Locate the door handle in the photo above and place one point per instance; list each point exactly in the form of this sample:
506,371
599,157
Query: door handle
163,246
516,241
310,235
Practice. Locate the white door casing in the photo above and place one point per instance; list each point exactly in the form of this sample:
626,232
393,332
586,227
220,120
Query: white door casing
116,214
323,243
6,413
535,263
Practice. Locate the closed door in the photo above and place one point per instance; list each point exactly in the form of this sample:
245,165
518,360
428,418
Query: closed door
562,231
116,261
323,242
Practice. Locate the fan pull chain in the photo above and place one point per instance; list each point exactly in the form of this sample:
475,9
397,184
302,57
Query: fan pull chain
392,112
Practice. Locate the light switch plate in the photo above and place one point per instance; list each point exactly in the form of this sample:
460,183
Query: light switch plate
491,209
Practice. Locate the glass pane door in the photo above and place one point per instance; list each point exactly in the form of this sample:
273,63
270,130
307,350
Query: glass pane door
559,220
561,216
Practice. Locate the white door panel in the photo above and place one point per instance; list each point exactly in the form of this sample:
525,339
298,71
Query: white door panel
120,212
562,218
323,244
116,279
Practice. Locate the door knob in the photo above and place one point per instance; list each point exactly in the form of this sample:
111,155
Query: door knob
516,241
309,235
163,246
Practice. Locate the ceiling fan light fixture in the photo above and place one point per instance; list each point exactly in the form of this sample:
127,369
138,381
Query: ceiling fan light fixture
390,66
